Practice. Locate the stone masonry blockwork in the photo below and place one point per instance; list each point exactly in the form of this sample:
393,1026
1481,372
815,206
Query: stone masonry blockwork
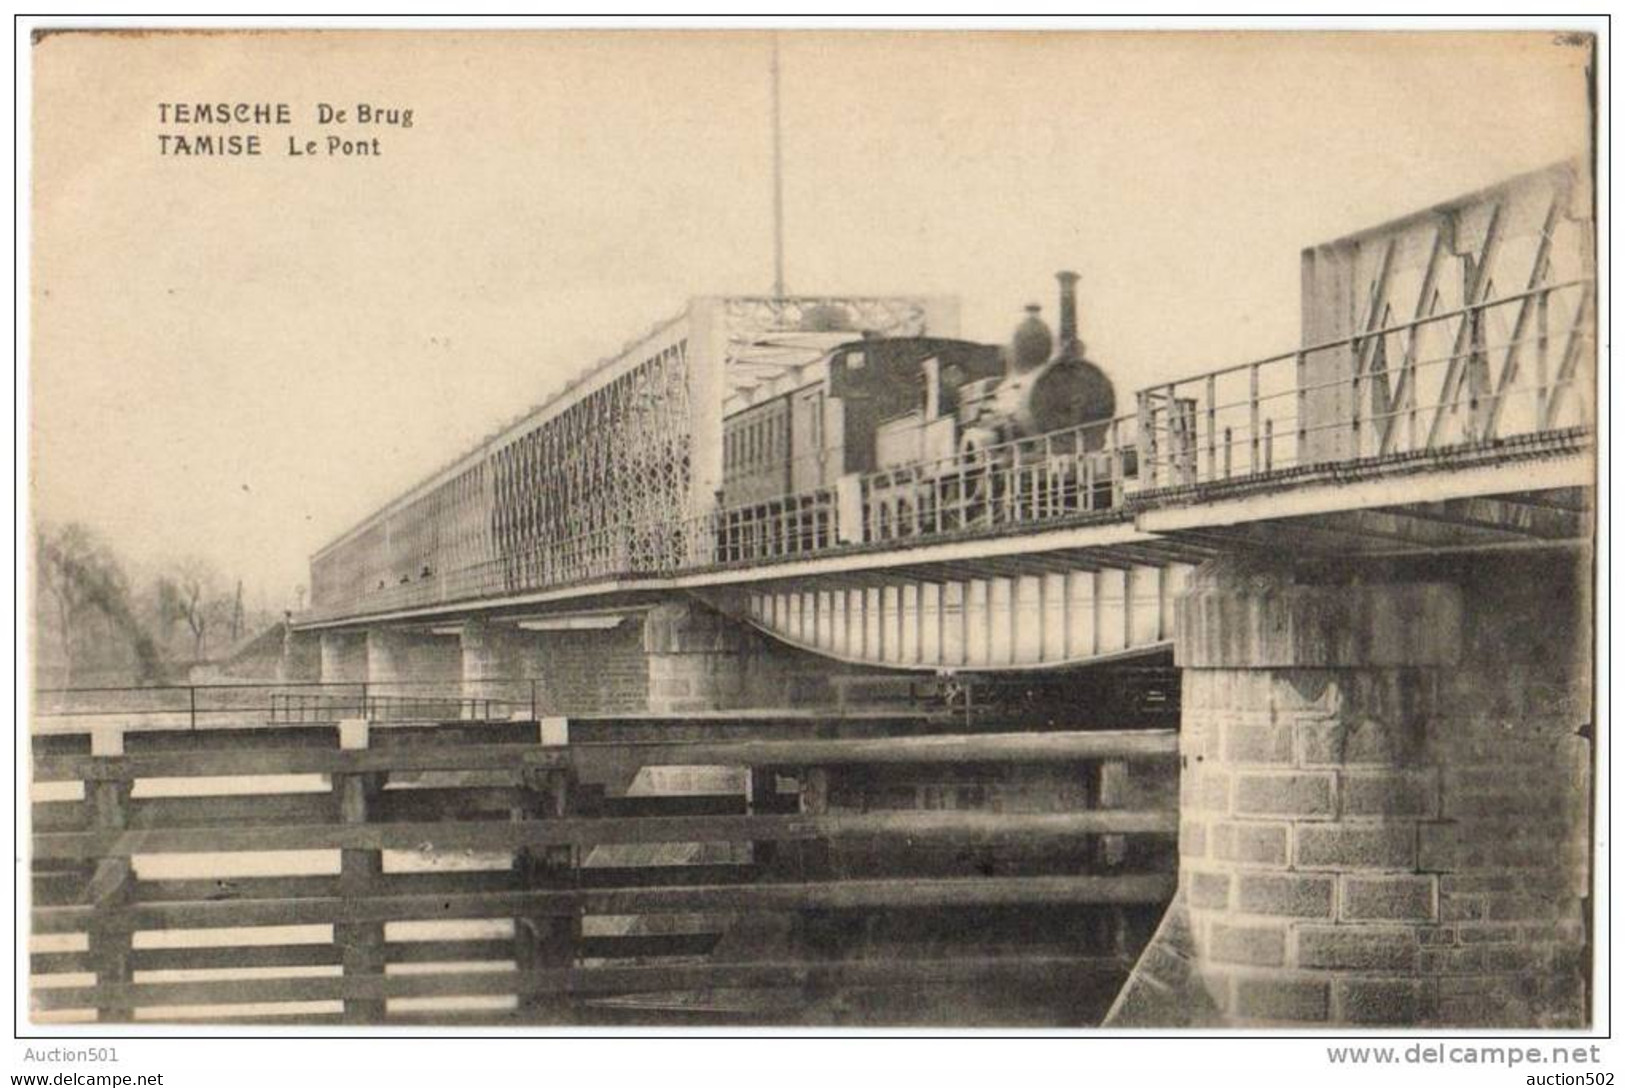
1385,782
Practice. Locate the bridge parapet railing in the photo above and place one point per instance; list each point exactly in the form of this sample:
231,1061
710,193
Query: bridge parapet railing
1508,367
1080,470
183,706
1077,471
192,707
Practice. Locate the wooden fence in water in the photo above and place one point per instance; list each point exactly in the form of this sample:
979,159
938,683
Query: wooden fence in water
738,871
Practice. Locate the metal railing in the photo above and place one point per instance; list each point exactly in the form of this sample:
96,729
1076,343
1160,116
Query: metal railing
792,525
1078,470
1510,367
1506,368
221,705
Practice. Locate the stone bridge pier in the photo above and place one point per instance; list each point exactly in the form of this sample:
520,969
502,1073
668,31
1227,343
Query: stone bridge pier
1385,797
387,657
341,657
676,656
1385,773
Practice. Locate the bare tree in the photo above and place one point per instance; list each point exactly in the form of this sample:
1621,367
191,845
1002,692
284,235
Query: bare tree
190,593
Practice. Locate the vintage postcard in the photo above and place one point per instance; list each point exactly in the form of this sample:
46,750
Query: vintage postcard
810,528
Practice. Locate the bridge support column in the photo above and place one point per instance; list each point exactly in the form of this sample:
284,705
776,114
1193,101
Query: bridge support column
697,658
489,652
569,671
343,657
416,658
1385,785
492,665
701,659
301,657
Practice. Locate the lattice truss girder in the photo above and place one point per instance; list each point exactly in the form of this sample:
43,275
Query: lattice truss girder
574,495
767,336
603,485
1499,370
446,529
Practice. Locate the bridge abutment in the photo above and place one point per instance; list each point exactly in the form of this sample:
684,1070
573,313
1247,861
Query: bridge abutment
1385,790
402,657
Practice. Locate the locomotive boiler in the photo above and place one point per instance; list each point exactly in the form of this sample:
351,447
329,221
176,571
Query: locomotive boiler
914,434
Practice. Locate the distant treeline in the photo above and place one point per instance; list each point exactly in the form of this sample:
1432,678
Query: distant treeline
95,625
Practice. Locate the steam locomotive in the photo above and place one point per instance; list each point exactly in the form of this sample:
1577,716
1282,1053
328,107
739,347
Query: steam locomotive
934,429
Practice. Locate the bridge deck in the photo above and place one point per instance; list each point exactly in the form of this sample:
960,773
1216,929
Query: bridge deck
1241,456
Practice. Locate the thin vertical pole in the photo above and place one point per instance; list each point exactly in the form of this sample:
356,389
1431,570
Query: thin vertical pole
1354,407
1147,441
1044,647
919,622
1162,602
1212,425
1301,452
1252,409
1542,350
1128,607
1177,440
1099,611
1066,614
778,181
1116,468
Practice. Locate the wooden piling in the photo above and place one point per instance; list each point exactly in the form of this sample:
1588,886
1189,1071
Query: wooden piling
361,943
111,888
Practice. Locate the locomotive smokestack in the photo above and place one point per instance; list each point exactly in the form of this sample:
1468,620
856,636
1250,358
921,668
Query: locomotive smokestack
1069,312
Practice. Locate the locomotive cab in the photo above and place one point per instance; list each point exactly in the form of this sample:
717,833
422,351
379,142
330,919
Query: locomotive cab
899,394
907,433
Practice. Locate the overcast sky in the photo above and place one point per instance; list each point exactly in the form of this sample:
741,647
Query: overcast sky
241,357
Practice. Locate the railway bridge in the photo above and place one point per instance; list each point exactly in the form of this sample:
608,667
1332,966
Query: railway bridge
1355,575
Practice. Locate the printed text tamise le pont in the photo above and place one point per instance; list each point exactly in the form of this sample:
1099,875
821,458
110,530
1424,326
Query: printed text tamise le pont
215,129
